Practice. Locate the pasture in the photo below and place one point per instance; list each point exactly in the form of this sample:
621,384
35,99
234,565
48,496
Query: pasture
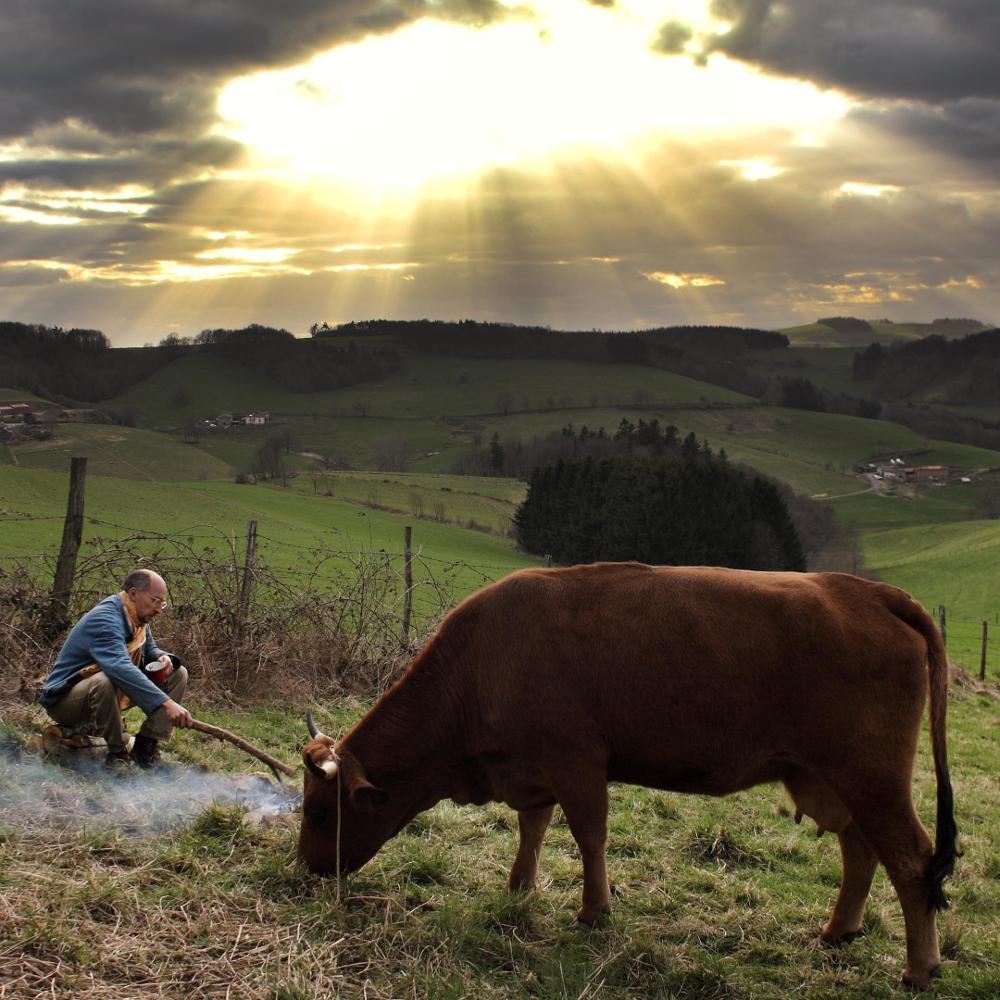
119,453
300,532
718,899
200,385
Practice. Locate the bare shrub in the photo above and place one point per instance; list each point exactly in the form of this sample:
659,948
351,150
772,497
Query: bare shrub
330,624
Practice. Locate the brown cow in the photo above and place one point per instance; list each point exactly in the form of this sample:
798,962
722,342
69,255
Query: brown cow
545,686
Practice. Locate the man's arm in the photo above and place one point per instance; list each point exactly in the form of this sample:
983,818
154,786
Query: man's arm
107,647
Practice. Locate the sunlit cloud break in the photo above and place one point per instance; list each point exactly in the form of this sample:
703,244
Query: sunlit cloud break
675,280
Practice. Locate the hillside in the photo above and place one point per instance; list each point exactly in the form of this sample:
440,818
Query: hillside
299,533
851,334
119,452
365,459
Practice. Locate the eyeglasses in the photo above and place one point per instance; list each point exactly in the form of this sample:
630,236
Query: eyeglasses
157,602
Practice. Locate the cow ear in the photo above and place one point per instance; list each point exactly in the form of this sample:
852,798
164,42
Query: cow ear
364,793
320,759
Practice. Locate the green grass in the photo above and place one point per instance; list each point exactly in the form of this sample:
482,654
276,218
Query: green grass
120,452
487,501
196,386
716,899
821,335
297,530
923,558
18,395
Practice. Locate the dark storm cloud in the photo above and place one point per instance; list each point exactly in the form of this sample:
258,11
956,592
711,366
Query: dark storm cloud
968,130
15,277
154,162
928,50
127,68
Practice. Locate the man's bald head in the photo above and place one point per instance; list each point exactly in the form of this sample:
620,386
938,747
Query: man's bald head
148,592
141,580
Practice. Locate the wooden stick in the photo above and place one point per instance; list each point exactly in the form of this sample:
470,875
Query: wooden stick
223,734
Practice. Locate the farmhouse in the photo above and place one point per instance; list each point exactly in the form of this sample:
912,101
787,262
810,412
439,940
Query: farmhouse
256,419
14,412
913,473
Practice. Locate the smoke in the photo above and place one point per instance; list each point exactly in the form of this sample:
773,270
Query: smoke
37,794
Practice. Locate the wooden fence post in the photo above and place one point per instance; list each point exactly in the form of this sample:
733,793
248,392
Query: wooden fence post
982,657
246,581
408,584
548,561
943,625
62,584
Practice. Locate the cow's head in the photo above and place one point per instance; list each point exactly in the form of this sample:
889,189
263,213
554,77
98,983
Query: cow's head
338,791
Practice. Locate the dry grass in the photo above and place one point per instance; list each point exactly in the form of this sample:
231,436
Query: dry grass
716,899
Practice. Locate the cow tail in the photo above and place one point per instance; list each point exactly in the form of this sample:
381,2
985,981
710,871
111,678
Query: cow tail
942,862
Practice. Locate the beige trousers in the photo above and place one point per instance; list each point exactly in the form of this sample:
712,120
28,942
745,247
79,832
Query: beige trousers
94,700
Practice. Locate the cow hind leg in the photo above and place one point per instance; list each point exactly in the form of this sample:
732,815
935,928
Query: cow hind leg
532,824
859,863
814,798
888,822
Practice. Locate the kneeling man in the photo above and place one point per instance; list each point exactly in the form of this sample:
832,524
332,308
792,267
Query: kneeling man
101,670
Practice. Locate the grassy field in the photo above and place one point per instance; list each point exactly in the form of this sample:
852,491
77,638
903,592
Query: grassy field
821,335
297,530
487,501
118,452
715,899
194,387
18,395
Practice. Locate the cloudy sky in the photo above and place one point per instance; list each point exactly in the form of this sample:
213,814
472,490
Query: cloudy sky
167,166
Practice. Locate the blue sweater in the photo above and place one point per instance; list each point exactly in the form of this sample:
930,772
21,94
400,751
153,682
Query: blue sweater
100,637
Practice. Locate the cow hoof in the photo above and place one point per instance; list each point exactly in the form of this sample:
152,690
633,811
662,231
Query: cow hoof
839,939
591,916
520,885
919,983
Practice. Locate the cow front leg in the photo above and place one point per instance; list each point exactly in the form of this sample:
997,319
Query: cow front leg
532,824
584,801
859,863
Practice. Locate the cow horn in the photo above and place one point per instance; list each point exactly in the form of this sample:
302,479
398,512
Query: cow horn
313,731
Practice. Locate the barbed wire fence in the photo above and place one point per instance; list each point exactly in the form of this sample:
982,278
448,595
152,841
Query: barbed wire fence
251,614
259,613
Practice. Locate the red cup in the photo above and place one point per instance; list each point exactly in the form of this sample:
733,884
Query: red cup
157,672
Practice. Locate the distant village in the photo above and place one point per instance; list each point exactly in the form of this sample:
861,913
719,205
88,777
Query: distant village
22,420
226,420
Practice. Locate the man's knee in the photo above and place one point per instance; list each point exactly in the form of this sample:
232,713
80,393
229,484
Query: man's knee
101,689
177,683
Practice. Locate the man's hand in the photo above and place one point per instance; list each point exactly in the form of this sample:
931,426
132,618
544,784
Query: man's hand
167,662
177,714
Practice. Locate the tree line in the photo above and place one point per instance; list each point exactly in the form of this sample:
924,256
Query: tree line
825,543
80,365
961,371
